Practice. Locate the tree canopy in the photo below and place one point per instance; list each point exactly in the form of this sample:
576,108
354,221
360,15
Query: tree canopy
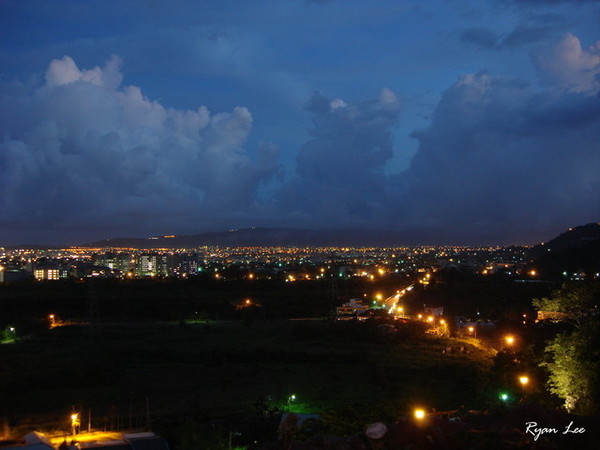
573,357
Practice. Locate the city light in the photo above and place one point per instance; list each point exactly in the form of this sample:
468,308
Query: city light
473,330
419,414
510,340
523,379
74,423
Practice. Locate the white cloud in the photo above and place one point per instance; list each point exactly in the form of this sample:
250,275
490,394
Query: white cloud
570,67
89,153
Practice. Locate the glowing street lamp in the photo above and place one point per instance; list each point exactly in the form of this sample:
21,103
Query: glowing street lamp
523,379
473,331
74,423
510,340
291,399
419,414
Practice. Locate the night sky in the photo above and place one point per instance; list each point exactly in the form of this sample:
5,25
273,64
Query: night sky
470,121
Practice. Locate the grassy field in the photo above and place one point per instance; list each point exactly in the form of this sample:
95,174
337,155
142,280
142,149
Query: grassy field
234,368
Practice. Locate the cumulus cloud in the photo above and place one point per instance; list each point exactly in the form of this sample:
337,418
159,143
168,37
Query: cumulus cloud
568,66
339,175
501,159
81,151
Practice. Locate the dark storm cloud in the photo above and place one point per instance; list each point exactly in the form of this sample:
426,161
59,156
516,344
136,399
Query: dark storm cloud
81,151
500,156
339,176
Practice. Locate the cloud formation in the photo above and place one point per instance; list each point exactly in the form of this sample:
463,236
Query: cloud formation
340,171
80,151
568,66
500,155
501,160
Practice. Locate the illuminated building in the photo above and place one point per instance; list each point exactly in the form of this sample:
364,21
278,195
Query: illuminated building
154,264
42,273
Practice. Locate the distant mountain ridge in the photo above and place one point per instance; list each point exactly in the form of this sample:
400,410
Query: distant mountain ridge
577,250
258,237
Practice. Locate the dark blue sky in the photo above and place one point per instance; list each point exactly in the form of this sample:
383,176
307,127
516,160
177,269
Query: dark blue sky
471,121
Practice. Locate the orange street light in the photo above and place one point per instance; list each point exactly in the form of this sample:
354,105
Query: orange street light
523,379
419,414
510,340
74,423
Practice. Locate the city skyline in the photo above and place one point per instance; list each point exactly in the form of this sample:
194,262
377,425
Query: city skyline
472,122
